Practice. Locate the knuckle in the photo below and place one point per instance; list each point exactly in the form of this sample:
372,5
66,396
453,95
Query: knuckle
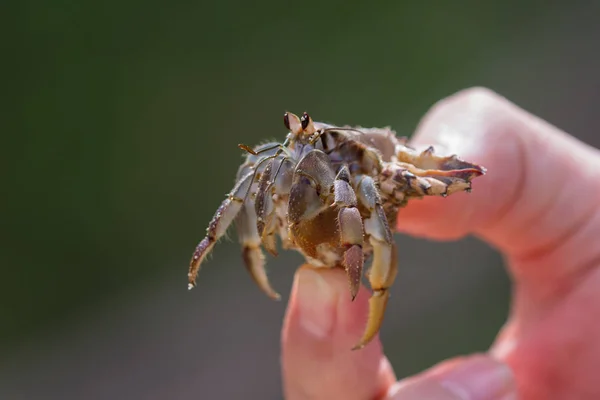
479,116
474,100
478,94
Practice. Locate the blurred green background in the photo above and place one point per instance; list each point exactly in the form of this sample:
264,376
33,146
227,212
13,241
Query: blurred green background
120,127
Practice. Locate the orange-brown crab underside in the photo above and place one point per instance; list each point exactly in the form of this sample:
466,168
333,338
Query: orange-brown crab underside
331,193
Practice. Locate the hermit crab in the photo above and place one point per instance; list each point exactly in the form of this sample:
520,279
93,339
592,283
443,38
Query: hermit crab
333,194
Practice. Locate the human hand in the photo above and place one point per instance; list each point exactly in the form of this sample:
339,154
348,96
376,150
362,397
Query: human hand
539,205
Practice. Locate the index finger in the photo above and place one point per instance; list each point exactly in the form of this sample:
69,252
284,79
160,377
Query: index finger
539,199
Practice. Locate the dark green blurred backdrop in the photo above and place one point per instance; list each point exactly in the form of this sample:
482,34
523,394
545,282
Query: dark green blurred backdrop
119,141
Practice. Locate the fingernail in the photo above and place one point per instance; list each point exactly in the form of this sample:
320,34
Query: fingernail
479,378
317,301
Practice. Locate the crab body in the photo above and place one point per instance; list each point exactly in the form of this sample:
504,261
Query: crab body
333,194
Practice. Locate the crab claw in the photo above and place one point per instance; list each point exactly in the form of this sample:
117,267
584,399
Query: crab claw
255,264
381,276
428,160
377,306
427,174
351,237
353,264
384,268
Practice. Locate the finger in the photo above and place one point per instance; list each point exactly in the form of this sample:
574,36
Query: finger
538,202
474,378
321,327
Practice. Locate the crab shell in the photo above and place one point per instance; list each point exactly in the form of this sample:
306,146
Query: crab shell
333,194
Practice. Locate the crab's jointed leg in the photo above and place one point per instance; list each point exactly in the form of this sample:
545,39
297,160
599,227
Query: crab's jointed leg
384,268
239,206
451,173
273,186
226,213
253,256
266,221
351,229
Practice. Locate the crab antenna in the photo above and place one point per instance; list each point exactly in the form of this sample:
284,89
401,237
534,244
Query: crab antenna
280,146
247,148
283,160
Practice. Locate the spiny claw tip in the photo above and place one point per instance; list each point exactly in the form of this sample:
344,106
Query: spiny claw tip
274,295
358,346
191,286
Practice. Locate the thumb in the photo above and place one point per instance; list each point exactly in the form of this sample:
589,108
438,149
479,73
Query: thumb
476,377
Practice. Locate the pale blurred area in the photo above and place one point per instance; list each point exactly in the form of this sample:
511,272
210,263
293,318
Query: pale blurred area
125,124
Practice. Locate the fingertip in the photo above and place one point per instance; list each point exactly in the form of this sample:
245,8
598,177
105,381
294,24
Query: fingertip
322,311
468,124
525,157
315,296
322,324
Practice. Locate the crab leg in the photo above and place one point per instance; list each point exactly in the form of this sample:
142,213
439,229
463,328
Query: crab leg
409,181
384,268
283,185
254,258
454,173
427,159
226,213
351,229
264,207
268,221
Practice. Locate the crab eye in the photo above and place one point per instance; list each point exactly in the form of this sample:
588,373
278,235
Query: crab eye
292,122
305,119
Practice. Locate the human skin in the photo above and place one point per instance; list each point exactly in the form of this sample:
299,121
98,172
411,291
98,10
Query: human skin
539,205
